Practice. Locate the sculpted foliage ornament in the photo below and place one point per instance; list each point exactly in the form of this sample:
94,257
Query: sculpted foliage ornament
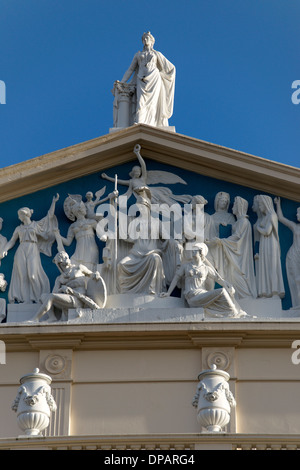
34,403
213,399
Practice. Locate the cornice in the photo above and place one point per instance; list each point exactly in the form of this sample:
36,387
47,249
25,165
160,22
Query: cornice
181,444
159,145
89,337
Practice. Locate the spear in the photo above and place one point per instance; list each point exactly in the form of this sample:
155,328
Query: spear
116,235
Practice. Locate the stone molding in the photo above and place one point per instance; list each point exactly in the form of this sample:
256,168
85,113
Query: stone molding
212,334
162,442
166,147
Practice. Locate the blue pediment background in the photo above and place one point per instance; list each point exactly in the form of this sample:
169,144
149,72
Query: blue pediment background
197,184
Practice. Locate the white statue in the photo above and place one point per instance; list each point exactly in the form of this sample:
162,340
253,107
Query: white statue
256,236
83,230
34,403
189,231
29,280
213,399
293,255
194,276
154,83
72,290
141,271
269,275
3,286
141,179
233,256
221,216
200,229
92,203
171,253
3,240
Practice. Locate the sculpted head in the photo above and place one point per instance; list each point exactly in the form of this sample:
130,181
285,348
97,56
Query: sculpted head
24,212
89,195
265,204
200,250
148,39
61,259
222,201
255,206
79,209
198,200
240,206
135,172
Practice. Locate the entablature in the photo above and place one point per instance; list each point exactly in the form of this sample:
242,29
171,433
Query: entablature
238,334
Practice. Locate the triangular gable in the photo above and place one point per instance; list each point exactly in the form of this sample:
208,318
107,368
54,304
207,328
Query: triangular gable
159,145
207,169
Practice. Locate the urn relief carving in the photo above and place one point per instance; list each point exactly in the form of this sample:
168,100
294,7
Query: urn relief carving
34,403
213,399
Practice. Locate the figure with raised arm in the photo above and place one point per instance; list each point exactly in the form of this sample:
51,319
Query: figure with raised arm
29,280
293,255
92,203
141,179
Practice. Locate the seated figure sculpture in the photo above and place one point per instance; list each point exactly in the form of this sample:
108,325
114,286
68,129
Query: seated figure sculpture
71,290
195,274
141,271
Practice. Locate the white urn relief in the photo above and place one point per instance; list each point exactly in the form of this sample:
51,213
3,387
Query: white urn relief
213,399
34,403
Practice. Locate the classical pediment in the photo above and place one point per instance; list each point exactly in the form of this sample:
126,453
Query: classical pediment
158,145
185,167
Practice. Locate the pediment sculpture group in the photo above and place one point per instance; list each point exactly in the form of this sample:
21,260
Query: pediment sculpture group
213,274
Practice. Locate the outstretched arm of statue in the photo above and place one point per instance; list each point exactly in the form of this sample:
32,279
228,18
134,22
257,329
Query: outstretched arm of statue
109,178
131,69
52,207
289,223
216,276
10,244
112,196
87,272
172,286
70,237
137,150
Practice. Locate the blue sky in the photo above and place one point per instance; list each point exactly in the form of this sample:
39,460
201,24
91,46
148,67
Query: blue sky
236,61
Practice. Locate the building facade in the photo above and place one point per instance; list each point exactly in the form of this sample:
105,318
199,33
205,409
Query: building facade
124,375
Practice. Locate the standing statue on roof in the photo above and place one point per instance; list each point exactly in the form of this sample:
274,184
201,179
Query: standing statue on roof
150,92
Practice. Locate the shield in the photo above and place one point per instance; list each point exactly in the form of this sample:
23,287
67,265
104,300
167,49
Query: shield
96,290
